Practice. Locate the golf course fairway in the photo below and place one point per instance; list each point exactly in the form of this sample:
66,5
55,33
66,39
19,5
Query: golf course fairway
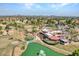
33,49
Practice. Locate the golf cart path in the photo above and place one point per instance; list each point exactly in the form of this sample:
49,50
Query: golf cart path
62,51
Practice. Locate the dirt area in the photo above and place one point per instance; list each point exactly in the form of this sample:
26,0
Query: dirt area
17,35
18,51
6,46
70,47
6,51
4,42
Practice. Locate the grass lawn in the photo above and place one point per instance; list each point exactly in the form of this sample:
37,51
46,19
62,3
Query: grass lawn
34,48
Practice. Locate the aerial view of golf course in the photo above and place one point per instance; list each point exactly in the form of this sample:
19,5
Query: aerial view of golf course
39,29
35,49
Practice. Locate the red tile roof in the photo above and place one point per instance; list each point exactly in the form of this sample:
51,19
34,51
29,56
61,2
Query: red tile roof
54,37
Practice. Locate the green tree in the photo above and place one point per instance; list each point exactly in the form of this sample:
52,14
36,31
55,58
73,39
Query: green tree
7,27
68,21
29,37
76,53
0,27
34,29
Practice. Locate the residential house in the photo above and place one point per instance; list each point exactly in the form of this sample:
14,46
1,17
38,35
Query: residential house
52,35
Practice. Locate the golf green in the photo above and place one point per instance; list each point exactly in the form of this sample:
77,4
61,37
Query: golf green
34,48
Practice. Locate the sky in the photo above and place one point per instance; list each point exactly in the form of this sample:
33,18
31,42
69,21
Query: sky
46,9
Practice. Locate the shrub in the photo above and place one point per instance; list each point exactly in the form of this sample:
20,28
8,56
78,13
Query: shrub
29,37
76,53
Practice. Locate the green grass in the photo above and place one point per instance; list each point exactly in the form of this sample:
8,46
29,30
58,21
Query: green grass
34,48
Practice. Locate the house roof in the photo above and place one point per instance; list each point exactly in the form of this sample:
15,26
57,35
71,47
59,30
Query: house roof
57,31
51,36
54,38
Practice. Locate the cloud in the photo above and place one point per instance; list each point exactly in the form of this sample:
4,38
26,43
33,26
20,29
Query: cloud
32,6
38,6
64,4
29,5
59,5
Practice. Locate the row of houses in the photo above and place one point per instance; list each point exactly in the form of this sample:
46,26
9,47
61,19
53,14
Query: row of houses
54,35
